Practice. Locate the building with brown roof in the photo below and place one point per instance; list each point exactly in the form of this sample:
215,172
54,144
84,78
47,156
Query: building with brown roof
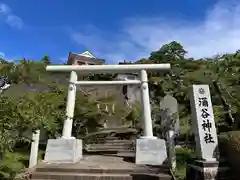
85,58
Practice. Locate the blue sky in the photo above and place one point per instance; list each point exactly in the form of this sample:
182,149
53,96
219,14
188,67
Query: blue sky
116,30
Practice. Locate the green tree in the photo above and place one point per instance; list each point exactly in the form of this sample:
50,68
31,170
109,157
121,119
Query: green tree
46,60
169,52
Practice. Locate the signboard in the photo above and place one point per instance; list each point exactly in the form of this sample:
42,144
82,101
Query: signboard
203,122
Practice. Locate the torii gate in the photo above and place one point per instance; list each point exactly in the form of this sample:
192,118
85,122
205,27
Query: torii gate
113,69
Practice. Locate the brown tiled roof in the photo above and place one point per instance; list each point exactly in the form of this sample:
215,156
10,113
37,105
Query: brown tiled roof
73,56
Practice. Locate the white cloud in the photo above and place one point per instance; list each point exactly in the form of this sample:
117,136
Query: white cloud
14,21
219,32
2,55
4,9
10,18
8,58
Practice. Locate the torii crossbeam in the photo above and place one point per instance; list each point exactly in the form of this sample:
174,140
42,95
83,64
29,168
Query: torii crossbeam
69,150
113,69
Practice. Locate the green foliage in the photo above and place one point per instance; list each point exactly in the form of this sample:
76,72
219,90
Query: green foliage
87,116
230,148
170,52
12,164
183,156
225,69
30,112
11,123
46,60
102,77
134,116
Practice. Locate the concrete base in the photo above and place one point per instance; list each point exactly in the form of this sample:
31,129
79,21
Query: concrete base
207,170
150,151
63,151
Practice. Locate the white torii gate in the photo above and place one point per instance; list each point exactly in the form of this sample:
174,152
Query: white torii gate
113,69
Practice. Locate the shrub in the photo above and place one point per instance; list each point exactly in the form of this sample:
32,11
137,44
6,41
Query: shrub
183,156
229,146
12,164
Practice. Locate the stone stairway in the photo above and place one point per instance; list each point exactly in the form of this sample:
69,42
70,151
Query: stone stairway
113,146
96,167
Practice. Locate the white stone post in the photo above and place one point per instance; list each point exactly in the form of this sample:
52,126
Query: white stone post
203,123
34,149
146,109
171,149
67,127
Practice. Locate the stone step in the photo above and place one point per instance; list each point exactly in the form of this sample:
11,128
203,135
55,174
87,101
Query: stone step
109,145
114,142
109,149
93,147
120,140
114,138
100,176
126,154
93,170
120,153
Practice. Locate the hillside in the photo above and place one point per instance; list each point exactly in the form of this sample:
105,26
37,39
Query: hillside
221,70
30,79
36,98
30,76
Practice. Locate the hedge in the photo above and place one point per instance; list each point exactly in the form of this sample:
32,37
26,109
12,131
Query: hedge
229,146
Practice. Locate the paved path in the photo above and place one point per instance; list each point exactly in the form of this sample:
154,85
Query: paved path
101,167
98,162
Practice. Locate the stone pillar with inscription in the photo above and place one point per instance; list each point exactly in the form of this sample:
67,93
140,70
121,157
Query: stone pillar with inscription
207,165
203,123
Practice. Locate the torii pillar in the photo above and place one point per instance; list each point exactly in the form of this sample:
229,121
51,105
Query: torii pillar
73,145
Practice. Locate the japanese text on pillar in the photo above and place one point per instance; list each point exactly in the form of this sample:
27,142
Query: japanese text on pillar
206,123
